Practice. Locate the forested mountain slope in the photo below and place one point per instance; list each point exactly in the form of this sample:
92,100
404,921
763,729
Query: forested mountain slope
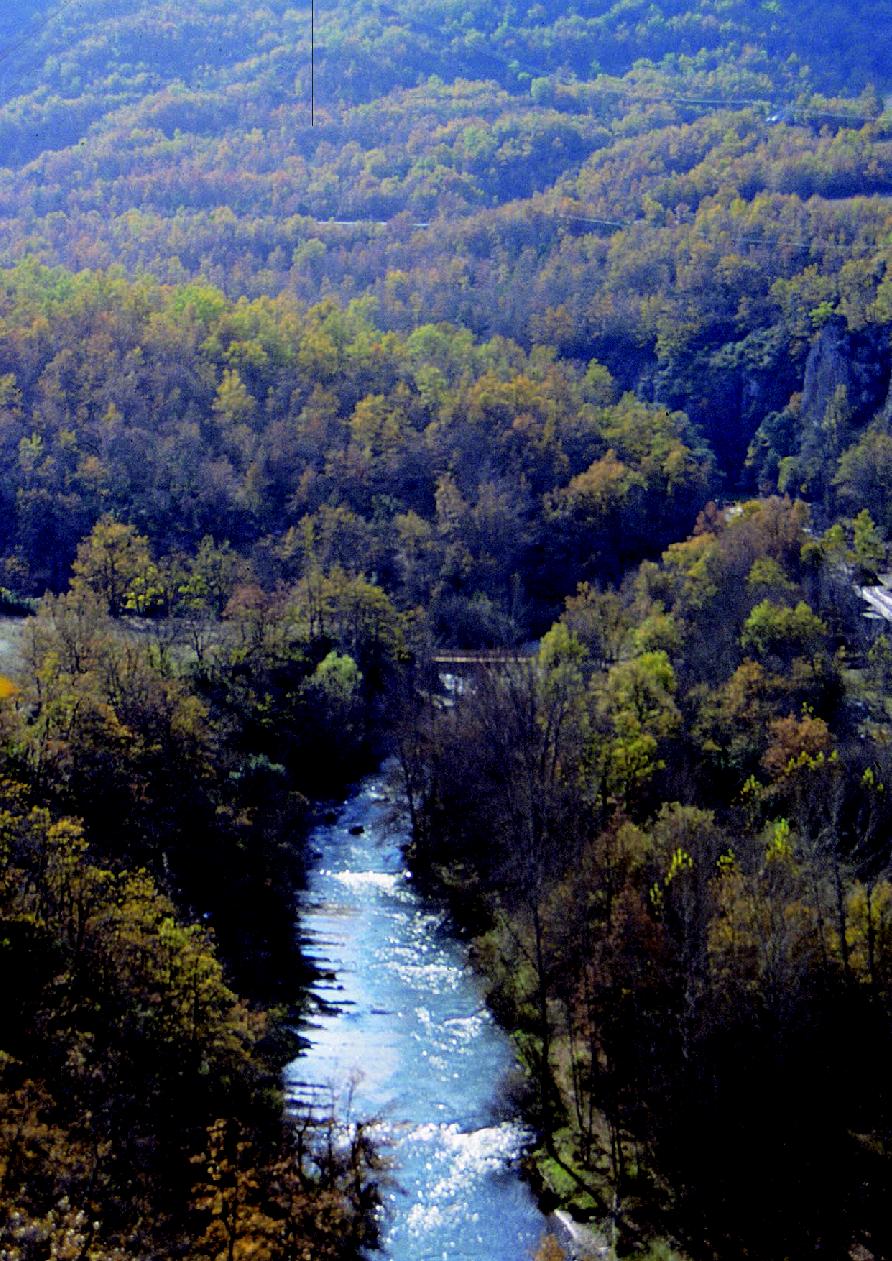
688,193
287,403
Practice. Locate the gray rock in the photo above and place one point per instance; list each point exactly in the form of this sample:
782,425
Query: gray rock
858,362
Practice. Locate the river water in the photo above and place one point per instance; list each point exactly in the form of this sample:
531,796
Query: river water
401,1015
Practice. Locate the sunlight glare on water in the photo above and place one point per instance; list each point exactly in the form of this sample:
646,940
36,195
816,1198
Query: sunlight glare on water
400,1015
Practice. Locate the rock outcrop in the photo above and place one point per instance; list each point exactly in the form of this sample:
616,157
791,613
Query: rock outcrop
858,362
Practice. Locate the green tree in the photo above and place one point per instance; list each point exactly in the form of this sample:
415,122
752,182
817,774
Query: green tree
639,709
776,630
868,548
114,562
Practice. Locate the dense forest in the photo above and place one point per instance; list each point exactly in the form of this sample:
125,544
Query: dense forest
560,331
692,221
669,837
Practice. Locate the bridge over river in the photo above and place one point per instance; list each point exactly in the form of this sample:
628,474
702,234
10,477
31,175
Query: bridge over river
460,660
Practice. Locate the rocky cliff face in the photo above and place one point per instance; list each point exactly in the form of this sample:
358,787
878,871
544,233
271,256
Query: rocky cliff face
845,385
886,409
856,362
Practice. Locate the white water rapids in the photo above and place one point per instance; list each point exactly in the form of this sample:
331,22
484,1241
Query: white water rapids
401,1015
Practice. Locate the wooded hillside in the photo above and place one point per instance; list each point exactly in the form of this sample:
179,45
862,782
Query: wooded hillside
563,323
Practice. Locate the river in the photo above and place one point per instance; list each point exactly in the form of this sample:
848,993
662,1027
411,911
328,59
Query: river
400,1012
